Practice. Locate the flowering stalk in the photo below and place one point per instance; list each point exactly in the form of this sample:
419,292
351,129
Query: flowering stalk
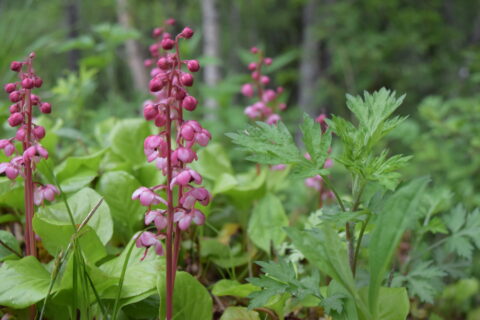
268,105
316,182
172,150
29,135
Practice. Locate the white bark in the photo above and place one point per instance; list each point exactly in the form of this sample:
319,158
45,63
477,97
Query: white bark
134,57
309,65
211,50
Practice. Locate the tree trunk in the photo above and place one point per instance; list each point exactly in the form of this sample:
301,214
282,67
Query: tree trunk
211,72
72,23
309,64
134,57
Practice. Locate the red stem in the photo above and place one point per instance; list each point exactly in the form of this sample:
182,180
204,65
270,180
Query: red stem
170,272
29,209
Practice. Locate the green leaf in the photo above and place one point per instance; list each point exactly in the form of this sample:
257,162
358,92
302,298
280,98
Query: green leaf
373,112
464,234
190,298
81,203
148,270
273,144
212,162
117,187
393,303
234,288
265,227
77,172
239,313
398,212
10,240
23,282
424,280
127,139
324,249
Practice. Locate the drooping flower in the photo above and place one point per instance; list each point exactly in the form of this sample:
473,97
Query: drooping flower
46,192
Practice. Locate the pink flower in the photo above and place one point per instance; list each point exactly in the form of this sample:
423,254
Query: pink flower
185,177
186,155
203,137
184,219
314,182
273,119
278,167
7,146
10,170
47,192
147,197
201,195
269,95
328,163
148,239
157,217
247,90
35,152
154,147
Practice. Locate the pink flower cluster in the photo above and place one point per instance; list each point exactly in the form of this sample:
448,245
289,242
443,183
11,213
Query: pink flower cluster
169,87
267,106
317,182
28,134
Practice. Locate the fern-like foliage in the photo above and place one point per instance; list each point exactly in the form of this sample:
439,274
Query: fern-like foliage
464,231
374,114
274,144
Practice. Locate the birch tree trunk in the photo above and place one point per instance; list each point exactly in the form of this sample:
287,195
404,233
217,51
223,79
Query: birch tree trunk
134,57
309,64
211,72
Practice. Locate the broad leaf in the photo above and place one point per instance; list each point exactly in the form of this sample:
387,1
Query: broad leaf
127,139
265,227
117,187
239,313
399,211
190,298
23,282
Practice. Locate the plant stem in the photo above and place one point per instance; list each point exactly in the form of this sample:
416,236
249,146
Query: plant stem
29,209
170,271
337,196
359,242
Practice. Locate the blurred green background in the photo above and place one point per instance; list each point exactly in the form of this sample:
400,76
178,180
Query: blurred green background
90,54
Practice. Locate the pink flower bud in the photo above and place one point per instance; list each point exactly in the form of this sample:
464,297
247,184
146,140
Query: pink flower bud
269,95
15,119
189,103
38,82
193,65
265,79
186,155
267,61
157,32
150,112
163,63
34,99
39,132
170,21
187,132
9,169
186,79
14,108
203,137
15,96
254,50
187,33
160,120
16,66
273,119
167,43
247,90
185,177
20,135
27,83
10,87
252,66
328,163
147,63
321,118
46,107
282,106
255,75
180,93
155,85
